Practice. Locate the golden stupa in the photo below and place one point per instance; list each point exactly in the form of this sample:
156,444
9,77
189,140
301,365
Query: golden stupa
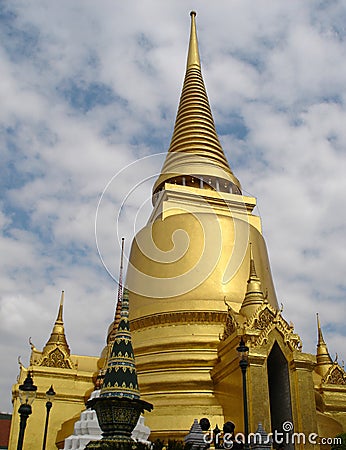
199,280
190,264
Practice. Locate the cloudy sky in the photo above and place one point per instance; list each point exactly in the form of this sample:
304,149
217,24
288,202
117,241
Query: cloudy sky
89,88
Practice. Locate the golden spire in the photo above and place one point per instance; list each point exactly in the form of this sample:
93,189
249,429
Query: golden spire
61,307
193,54
319,332
254,295
253,274
323,359
57,337
195,156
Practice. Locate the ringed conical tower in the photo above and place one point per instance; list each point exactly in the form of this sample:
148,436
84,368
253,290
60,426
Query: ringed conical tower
56,352
195,156
121,378
113,327
189,258
119,405
323,359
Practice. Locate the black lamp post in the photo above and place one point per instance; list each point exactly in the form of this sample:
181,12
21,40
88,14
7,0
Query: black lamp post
243,352
27,394
50,397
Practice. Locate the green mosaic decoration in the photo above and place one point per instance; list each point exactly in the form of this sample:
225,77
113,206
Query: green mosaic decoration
121,377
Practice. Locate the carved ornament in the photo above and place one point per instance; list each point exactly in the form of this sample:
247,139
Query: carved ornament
231,323
179,318
264,321
56,358
336,375
230,326
265,318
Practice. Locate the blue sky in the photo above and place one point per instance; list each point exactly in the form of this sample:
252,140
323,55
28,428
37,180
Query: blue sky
90,88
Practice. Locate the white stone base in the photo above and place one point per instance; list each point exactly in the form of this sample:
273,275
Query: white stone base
87,429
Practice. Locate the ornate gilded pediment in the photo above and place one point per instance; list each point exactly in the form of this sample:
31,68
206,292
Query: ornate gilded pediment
335,375
56,358
231,324
264,321
260,325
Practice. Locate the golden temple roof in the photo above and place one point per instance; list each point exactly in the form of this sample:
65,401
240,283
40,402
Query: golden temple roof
195,151
323,359
254,295
57,337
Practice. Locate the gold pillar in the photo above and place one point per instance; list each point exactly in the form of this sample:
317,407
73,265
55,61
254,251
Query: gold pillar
303,397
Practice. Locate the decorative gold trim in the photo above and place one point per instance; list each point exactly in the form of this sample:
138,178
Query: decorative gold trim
173,318
230,326
336,375
56,358
231,323
267,319
260,325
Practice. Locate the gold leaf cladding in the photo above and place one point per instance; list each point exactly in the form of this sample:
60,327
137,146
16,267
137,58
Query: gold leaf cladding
230,326
336,376
265,318
179,318
56,358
